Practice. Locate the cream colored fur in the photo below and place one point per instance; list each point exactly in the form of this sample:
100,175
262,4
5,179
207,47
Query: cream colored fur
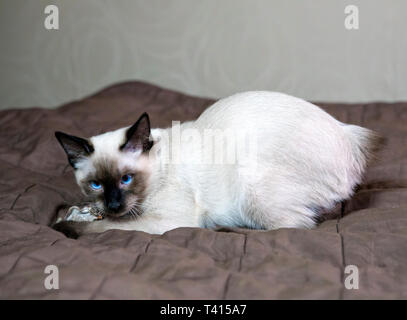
305,161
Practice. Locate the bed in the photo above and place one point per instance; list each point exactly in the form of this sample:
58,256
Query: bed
36,184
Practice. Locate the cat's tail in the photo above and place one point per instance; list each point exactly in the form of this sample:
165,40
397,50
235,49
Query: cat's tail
365,145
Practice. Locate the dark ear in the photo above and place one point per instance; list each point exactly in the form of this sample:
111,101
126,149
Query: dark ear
76,148
138,136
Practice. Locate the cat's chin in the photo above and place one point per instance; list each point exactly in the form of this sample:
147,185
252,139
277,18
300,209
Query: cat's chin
120,216
116,215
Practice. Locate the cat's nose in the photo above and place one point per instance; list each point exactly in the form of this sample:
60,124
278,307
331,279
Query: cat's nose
114,206
113,199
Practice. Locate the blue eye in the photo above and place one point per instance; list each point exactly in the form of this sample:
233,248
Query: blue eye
95,185
126,179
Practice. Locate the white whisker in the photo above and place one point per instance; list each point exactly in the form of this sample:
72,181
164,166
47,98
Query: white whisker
135,210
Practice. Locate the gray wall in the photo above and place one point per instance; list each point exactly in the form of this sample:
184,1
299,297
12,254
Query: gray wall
208,48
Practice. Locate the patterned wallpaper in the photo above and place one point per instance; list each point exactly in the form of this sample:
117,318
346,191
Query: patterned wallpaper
209,48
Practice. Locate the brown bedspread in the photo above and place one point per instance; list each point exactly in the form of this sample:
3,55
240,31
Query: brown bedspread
369,231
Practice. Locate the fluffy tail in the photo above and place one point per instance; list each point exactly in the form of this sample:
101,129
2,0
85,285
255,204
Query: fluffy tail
365,145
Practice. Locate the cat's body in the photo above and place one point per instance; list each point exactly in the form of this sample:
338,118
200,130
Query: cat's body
303,161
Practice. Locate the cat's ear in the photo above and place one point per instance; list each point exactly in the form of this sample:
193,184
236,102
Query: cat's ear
137,137
76,148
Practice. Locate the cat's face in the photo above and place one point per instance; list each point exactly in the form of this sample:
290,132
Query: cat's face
112,169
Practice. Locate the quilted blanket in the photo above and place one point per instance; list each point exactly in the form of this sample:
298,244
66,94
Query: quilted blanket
364,238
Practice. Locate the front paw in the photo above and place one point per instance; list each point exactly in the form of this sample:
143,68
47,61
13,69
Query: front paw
71,229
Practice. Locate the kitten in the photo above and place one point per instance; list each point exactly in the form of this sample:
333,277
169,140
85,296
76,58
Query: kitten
300,160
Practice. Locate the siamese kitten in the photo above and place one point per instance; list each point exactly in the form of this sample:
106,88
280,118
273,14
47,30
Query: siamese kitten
300,161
